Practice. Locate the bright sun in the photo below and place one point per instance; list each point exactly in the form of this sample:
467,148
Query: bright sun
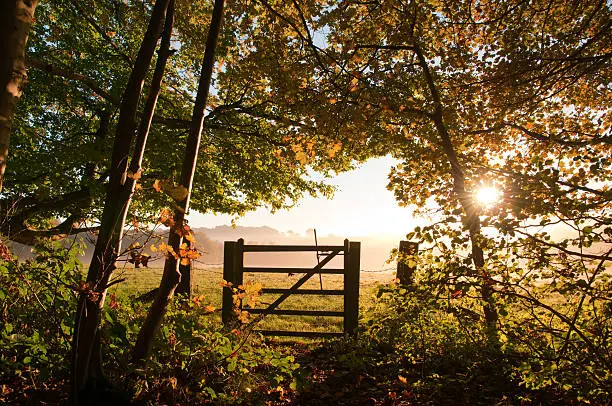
487,195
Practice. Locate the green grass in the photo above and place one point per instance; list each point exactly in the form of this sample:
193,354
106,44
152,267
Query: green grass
207,283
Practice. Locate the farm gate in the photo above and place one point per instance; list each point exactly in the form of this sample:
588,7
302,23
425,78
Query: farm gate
234,269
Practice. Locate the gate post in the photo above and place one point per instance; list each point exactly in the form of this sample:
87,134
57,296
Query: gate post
229,248
239,263
232,272
352,254
405,274
185,286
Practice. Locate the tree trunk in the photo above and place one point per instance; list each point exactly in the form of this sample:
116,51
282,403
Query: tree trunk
172,276
472,213
118,197
16,17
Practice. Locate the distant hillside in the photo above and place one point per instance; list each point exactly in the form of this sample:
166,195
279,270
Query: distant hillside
374,249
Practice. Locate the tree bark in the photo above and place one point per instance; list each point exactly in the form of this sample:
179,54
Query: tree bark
16,17
172,276
472,212
119,194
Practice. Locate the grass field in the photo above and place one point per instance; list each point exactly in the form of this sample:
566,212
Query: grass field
207,282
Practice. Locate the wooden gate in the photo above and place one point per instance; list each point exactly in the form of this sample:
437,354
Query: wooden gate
234,269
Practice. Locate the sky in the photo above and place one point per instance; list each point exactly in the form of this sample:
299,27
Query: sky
361,206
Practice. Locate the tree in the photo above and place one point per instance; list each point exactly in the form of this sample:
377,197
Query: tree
124,174
17,17
79,60
511,95
507,94
172,276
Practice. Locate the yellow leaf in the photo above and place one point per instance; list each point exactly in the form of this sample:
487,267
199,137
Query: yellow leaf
334,149
301,157
178,193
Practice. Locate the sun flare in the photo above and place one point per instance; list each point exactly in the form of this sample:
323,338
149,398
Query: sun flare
488,195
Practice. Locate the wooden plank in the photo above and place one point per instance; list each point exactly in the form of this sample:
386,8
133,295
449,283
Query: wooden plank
296,312
297,248
334,292
331,271
284,333
351,286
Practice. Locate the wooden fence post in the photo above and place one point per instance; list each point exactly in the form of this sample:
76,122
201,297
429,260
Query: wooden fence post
352,254
229,249
233,266
185,286
405,273
239,263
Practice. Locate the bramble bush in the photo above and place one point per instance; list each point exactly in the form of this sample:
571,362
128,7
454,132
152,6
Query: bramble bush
37,301
194,359
554,337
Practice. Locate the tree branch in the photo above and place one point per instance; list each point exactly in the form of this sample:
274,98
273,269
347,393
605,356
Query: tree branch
606,257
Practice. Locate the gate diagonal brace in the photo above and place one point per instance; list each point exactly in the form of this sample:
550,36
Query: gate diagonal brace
300,282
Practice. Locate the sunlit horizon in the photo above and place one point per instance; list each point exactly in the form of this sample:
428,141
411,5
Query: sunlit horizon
361,206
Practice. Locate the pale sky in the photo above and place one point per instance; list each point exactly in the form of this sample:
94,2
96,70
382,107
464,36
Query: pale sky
361,206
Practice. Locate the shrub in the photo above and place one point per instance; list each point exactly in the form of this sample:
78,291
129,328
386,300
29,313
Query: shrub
194,358
37,300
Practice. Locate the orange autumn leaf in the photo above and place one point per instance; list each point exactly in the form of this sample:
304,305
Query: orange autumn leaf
157,185
135,175
166,218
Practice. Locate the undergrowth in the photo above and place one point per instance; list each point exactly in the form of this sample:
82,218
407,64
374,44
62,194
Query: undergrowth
415,346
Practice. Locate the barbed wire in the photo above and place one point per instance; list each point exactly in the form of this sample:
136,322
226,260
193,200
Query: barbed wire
220,264
379,270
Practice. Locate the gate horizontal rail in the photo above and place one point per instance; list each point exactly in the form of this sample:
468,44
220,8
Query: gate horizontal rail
312,334
333,292
291,248
297,312
331,271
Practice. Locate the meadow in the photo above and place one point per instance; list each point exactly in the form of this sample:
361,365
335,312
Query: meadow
208,291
